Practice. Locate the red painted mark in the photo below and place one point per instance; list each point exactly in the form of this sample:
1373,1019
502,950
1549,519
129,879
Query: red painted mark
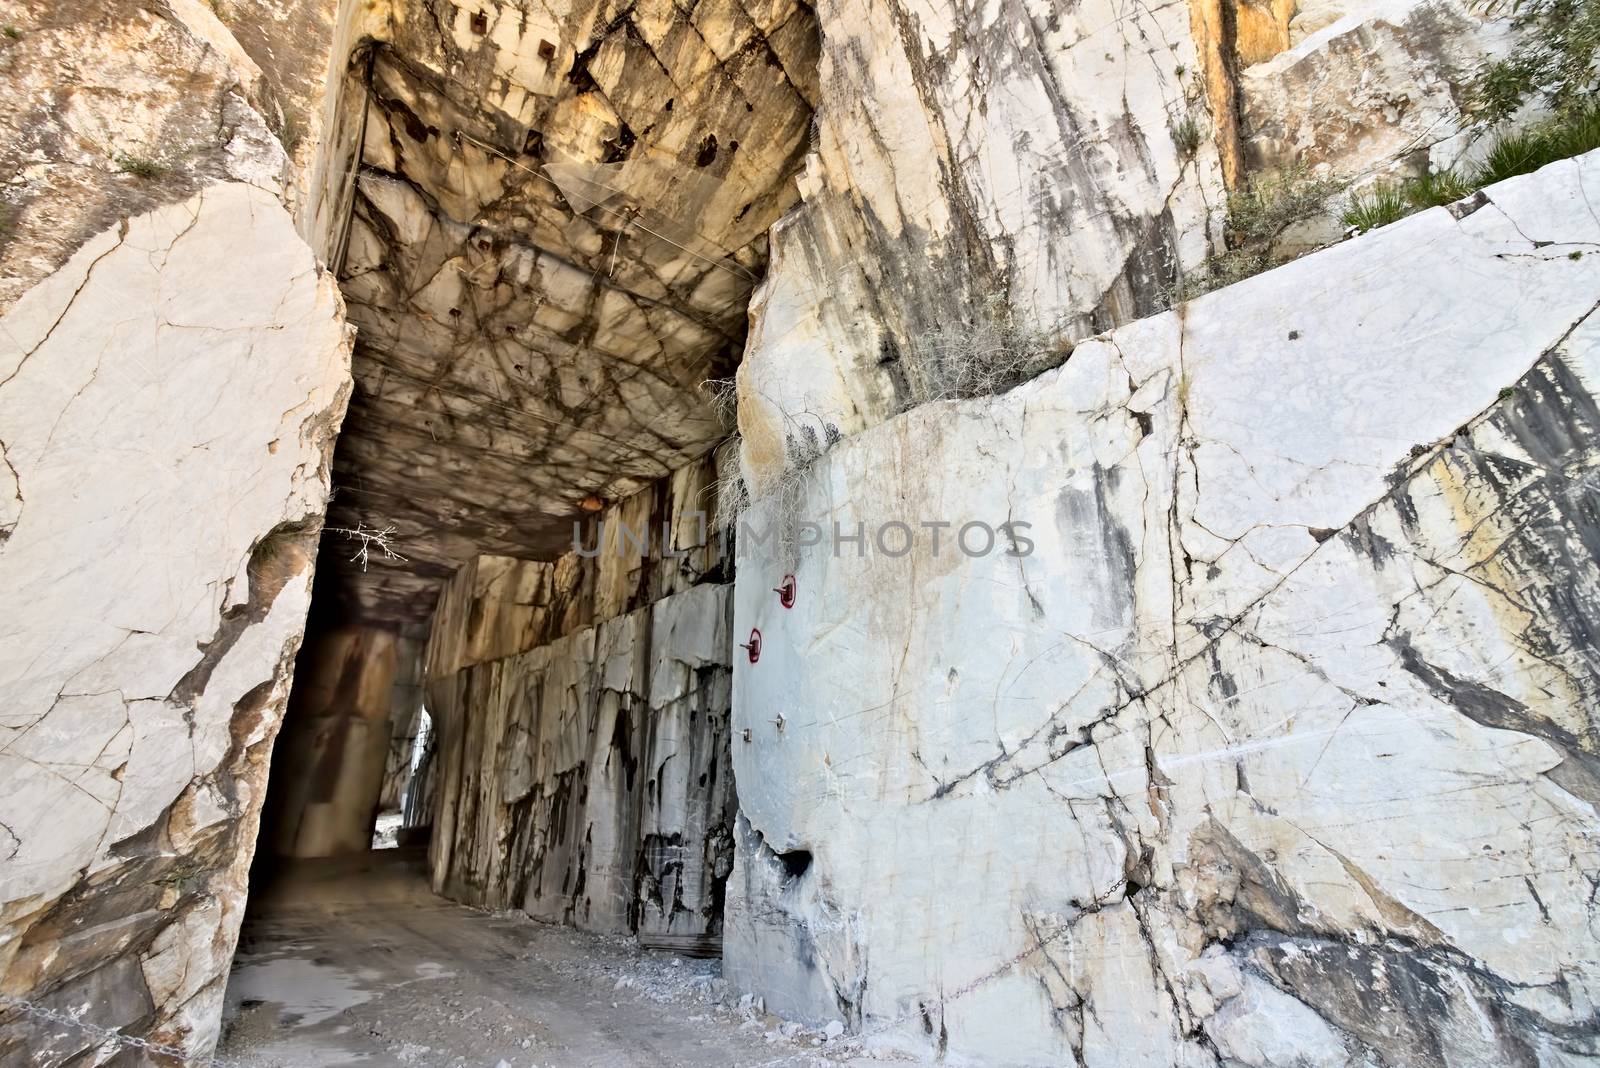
785,591
753,646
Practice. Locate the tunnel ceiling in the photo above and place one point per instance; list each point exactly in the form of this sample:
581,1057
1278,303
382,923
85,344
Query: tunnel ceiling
556,224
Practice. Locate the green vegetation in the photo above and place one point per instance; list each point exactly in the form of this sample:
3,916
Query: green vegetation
1258,217
1556,63
12,32
1570,132
291,131
1269,206
1437,188
140,167
1563,135
1186,136
1382,204
1555,60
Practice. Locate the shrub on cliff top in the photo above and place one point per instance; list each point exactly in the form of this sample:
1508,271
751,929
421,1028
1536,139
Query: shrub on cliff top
1258,217
140,166
1269,206
1380,205
1566,134
1554,60
988,352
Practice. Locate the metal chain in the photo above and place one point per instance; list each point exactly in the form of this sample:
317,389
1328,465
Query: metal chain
122,1041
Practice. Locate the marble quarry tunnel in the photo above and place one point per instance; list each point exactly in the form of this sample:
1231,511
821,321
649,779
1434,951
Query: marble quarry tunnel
736,532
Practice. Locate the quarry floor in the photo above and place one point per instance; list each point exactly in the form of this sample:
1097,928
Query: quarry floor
353,961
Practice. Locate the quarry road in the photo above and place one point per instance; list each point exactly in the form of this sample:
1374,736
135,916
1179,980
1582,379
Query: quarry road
354,962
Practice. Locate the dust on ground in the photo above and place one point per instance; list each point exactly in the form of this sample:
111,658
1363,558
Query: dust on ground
354,962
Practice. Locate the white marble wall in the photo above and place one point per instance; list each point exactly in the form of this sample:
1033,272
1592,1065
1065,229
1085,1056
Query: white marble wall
168,405
966,157
1379,89
588,781
1277,748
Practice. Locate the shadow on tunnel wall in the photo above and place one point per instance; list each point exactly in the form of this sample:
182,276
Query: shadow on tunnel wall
345,750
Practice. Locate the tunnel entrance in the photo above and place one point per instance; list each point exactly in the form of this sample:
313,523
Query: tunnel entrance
515,685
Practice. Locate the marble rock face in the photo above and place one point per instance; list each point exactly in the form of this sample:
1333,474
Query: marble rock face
580,766
1049,162
556,214
588,781
328,776
1380,88
114,107
652,544
169,400
1270,740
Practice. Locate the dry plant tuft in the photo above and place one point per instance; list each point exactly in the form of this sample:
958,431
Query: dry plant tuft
993,353
1258,217
723,396
368,539
782,500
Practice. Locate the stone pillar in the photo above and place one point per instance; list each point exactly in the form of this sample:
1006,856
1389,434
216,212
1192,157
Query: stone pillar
330,763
